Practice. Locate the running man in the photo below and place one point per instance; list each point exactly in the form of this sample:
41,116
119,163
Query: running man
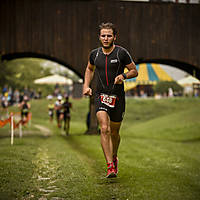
25,109
59,111
50,107
66,114
109,62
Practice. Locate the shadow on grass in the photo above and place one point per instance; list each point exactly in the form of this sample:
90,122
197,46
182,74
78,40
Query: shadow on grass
193,140
108,181
111,185
76,146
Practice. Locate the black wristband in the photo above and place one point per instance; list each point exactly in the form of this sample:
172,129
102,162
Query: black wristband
124,75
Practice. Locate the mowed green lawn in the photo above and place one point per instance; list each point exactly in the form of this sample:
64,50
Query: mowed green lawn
159,155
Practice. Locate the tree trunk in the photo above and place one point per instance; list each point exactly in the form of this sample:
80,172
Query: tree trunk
93,125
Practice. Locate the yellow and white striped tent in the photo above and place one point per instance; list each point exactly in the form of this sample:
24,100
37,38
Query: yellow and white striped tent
148,74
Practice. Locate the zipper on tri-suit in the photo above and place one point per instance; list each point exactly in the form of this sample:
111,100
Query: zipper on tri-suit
106,69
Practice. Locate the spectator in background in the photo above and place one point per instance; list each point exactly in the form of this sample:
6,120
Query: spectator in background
39,93
5,89
32,93
170,92
4,101
16,96
21,96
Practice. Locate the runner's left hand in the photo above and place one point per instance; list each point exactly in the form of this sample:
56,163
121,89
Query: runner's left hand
119,79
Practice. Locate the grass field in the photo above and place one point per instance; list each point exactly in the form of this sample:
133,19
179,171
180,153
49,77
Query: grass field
159,155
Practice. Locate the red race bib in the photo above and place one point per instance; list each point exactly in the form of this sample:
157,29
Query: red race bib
108,100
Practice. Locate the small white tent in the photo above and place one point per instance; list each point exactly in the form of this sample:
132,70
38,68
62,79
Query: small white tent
188,84
54,79
188,81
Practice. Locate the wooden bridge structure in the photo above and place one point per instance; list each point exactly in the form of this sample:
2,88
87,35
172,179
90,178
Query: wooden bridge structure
65,31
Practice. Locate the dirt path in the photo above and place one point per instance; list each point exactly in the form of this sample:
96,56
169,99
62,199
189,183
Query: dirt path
45,131
64,171
45,174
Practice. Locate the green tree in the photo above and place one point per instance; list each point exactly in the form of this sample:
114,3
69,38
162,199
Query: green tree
6,72
162,87
20,73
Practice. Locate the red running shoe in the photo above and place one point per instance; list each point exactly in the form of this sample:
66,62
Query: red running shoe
110,171
115,162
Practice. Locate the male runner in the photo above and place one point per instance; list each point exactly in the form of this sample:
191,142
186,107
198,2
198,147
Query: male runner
59,110
25,108
109,62
50,107
66,114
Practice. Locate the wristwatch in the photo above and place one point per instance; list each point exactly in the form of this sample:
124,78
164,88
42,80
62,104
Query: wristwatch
124,75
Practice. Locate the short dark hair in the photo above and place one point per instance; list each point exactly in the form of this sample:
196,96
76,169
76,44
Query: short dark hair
108,25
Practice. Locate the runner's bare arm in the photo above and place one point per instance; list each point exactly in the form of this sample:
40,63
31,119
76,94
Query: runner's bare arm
29,105
132,72
89,73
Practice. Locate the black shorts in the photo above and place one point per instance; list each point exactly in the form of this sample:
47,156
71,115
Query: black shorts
24,114
116,114
51,112
66,116
58,113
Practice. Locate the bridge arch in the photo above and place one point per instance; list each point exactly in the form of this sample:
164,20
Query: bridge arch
12,56
67,35
67,31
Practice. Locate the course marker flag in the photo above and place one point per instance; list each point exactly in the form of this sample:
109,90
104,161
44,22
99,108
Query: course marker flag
14,125
12,129
4,122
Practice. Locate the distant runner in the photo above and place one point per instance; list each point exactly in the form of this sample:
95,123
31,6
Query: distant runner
51,108
25,108
59,110
109,62
66,114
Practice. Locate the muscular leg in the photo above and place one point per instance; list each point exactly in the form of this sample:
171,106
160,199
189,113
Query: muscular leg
115,126
57,119
106,141
61,119
66,127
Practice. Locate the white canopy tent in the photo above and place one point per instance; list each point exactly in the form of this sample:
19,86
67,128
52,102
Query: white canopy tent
189,85
54,79
188,81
